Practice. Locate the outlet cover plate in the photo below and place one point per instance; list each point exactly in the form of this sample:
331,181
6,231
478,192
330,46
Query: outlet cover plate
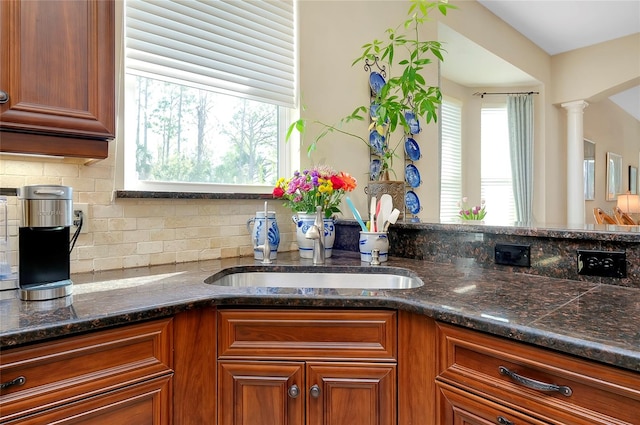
602,263
513,254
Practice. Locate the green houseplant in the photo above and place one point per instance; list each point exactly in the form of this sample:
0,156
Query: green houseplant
407,92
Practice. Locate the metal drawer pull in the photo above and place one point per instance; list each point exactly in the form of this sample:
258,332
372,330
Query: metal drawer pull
314,391
294,391
533,384
504,421
20,380
4,98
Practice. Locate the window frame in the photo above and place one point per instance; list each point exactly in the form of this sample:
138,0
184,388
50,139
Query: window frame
288,150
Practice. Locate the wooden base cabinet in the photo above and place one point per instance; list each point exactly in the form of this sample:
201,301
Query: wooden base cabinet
496,380
307,367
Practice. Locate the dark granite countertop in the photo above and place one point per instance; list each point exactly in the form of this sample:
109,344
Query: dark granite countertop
590,320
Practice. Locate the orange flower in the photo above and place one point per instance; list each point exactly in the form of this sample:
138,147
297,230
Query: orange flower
349,182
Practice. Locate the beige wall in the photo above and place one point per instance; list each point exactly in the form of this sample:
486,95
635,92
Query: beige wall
594,73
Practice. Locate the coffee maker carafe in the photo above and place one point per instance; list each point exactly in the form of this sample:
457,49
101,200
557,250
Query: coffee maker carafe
43,240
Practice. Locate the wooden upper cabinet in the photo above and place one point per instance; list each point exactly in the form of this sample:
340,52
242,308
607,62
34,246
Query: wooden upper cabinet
57,70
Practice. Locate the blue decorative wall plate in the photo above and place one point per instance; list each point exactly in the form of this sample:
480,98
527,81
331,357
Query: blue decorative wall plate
376,140
412,175
376,82
412,202
414,124
412,149
373,110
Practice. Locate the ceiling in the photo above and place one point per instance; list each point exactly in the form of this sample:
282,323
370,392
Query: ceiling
555,27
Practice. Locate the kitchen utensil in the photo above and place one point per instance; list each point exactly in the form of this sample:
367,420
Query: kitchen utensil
386,206
356,214
372,214
393,217
379,222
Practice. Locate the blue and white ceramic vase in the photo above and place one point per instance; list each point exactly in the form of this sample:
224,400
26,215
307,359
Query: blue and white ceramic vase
257,234
303,222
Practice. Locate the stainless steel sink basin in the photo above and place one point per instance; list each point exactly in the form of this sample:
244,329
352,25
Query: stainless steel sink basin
329,279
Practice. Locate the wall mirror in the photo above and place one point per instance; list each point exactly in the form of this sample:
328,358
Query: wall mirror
614,176
633,180
478,71
589,170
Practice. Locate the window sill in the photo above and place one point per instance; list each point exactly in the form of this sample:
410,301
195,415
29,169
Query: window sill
136,194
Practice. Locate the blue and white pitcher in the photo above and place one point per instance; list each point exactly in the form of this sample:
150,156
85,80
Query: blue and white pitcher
303,222
257,234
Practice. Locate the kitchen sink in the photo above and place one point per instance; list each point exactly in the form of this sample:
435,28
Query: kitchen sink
321,279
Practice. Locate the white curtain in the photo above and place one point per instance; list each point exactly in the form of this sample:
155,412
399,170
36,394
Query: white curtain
520,116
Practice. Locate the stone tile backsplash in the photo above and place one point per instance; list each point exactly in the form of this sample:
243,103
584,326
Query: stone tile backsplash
125,233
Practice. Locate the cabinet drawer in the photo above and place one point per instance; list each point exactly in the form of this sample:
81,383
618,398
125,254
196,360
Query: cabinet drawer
72,368
457,407
305,334
599,394
145,403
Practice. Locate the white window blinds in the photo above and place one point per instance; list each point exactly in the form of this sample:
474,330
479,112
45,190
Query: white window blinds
242,48
451,160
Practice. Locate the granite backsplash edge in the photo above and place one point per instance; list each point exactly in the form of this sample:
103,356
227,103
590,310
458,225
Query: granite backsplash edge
553,254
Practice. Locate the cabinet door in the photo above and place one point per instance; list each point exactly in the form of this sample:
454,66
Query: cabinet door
57,68
265,393
459,408
351,394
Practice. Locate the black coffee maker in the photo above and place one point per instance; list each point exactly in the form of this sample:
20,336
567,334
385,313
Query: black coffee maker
43,239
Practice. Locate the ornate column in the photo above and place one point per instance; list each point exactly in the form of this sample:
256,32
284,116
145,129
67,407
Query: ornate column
575,161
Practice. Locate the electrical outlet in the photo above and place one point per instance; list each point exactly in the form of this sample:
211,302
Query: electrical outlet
602,263
513,255
84,209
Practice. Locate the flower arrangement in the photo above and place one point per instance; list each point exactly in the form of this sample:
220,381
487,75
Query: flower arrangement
476,213
320,186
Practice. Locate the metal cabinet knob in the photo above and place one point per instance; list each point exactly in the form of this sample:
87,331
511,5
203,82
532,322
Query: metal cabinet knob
20,380
314,391
501,420
294,391
4,97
